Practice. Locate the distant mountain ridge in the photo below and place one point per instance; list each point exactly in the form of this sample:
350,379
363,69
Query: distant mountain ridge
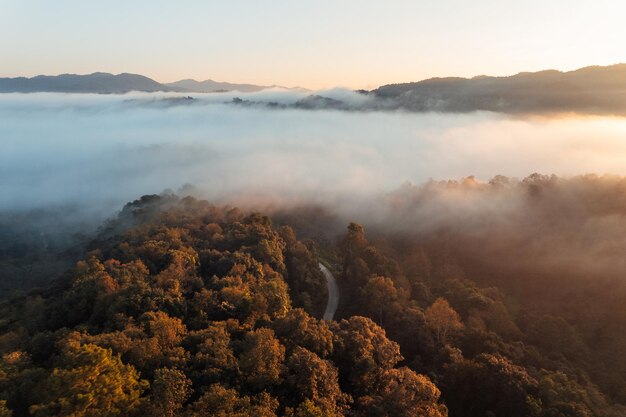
589,90
209,86
594,89
98,82
105,83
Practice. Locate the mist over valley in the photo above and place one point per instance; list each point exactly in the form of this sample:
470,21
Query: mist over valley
312,209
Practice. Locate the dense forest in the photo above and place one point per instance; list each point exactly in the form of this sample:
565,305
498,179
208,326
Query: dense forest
183,308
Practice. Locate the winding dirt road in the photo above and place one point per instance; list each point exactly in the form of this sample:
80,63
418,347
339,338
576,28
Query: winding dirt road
333,293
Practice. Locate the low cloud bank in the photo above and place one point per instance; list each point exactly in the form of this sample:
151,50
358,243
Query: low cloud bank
105,150
94,153
71,161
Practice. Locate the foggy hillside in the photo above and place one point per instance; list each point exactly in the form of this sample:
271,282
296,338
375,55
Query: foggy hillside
595,90
210,86
592,90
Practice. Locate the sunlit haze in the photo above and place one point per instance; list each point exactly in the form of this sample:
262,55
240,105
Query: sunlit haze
315,44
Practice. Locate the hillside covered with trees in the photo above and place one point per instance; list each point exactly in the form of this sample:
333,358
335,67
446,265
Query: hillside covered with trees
182,308
189,312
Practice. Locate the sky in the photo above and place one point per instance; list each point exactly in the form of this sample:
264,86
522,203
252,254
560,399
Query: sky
309,43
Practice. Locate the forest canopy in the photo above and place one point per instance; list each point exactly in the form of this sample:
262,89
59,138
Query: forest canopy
182,308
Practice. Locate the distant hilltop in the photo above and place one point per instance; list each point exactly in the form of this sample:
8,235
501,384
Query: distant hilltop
98,82
593,90
210,86
589,90
105,83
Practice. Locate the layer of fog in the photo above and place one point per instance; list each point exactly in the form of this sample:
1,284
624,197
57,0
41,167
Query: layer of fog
105,150
68,162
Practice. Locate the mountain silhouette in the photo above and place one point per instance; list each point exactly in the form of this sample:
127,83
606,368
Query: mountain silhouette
98,82
593,89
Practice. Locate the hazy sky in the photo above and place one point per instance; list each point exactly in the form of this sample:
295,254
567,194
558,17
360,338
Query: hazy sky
311,43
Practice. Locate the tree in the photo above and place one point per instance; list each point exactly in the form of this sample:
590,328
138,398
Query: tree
159,344
363,353
275,296
489,384
403,393
442,319
168,331
90,382
351,245
4,411
306,281
312,378
356,236
561,395
170,389
308,409
379,294
297,328
219,401
261,359
212,358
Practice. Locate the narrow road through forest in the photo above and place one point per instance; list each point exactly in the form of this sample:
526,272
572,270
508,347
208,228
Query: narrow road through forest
333,293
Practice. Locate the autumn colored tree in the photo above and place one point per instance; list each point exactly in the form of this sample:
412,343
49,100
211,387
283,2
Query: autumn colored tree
355,269
306,282
212,358
364,351
261,359
297,328
168,331
403,393
219,401
308,409
273,296
169,391
4,411
159,341
317,380
379,294
442,319
90,381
